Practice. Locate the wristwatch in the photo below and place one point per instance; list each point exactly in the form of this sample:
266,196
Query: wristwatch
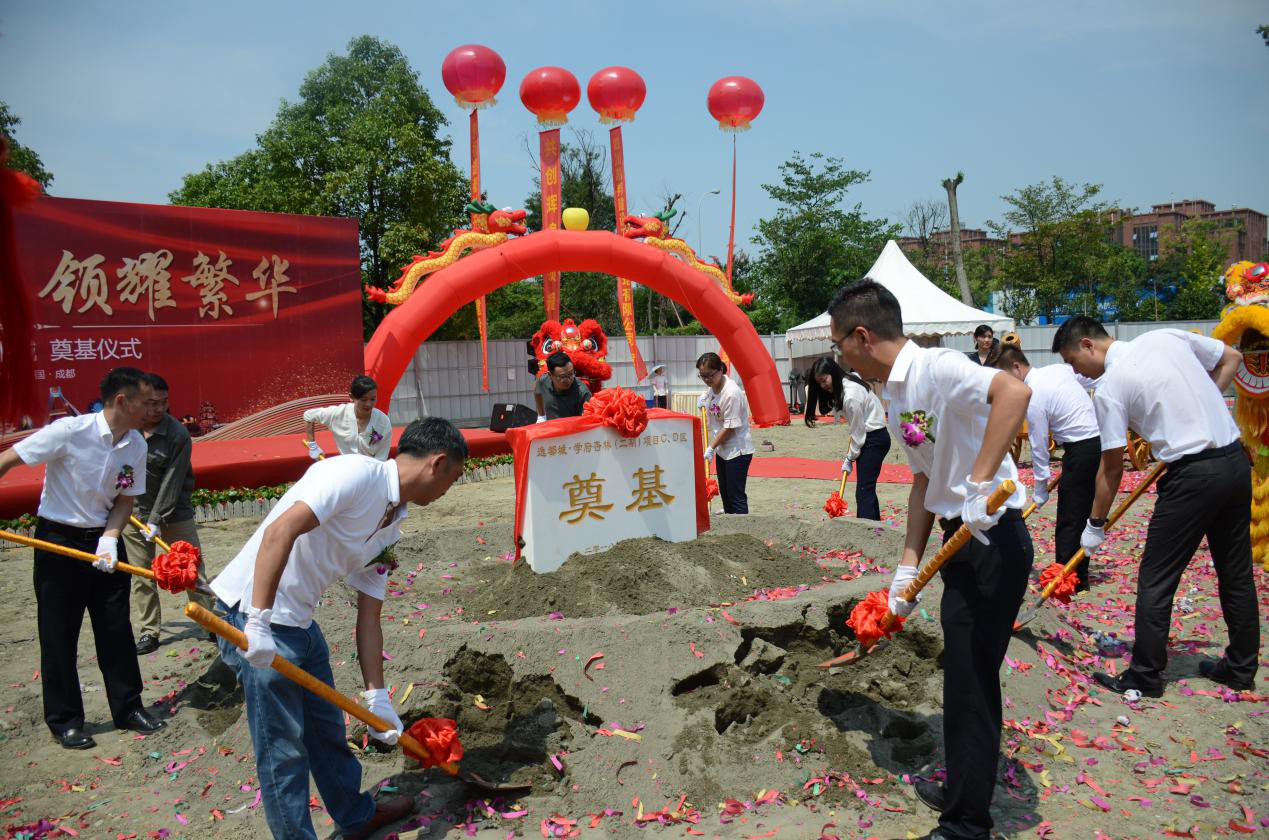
1097,523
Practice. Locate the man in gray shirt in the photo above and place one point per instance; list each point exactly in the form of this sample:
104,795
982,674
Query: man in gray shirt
165,507
559,393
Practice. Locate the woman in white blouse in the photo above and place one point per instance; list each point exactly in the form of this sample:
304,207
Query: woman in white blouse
844,393
358,427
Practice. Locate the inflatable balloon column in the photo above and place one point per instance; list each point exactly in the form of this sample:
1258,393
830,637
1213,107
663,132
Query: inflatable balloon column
735,102
550,93
473,75
616,93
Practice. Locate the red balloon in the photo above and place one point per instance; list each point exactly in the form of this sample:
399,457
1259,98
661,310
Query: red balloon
616,93
473,74
735,102
550,93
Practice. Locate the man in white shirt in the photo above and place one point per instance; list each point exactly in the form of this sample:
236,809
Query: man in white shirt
358,427
330,525
660,386
94,469
1060,406
1166,385
727,415
956,421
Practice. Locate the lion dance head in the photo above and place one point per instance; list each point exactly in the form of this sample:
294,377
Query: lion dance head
584,343
1244,325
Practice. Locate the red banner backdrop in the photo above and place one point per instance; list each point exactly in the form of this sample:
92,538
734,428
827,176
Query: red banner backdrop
549,155
625,292
237,310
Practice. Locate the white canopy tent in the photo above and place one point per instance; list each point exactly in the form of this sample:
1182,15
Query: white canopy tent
927,309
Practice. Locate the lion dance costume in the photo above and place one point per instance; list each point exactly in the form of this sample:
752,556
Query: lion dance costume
584,343
1244,325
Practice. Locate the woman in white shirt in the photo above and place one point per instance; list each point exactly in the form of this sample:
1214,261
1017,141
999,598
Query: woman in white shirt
358,427
869,441
660,386
727,414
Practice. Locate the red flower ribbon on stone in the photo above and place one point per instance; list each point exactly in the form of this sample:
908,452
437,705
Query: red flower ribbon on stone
1065,588
865,619
620,409
711,488
835,506
439,739
177,570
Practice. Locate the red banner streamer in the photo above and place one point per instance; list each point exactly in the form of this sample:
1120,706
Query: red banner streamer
549,157
482,322
625,291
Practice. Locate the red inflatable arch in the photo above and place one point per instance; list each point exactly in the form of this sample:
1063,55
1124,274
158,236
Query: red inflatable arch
439,295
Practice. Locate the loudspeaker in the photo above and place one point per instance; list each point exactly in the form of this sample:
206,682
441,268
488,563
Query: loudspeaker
510,415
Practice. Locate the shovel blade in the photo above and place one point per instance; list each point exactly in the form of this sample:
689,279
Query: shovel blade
477,781
853,655
1025,616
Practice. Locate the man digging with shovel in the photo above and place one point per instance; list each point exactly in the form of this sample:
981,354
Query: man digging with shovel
331,524
956,420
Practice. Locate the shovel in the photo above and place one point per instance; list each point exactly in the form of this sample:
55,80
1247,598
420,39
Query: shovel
84,555
303,678
924,573
1028,614
1032,507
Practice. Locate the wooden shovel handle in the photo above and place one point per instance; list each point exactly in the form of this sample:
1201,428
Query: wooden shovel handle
1114,517
1031,508
145,529
73,552
953,545
303,678
841,490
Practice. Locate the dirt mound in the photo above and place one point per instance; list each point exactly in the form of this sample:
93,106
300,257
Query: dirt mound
641,576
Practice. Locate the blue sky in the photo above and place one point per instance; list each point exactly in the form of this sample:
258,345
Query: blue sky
1154,99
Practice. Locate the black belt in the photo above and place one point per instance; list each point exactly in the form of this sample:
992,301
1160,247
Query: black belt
955,522
1214,452
71,530
1093,439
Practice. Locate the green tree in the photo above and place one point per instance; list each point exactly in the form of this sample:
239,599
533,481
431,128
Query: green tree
363,140
22,158
814,243
1190,267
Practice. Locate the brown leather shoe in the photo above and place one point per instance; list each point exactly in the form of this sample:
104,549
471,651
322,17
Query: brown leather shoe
386,813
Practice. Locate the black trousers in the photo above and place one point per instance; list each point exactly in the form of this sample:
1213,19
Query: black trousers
983,587
1076,489
64,589
1199,497
868,465
733,474
662,400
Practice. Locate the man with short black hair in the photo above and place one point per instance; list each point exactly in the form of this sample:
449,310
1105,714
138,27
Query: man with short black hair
1166,386
1059,406
559,393
166,509
94,468
956,420
331,525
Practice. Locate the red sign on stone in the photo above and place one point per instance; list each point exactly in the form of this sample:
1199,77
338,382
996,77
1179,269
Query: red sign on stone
237,310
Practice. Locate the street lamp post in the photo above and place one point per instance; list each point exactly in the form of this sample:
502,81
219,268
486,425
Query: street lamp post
700,240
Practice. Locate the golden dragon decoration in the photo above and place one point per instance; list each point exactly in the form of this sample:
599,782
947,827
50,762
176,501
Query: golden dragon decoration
655,231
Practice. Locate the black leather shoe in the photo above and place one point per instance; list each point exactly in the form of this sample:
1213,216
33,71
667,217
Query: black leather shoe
76,739
932,794
1217,670
147,644
1125,681
139,720
386,813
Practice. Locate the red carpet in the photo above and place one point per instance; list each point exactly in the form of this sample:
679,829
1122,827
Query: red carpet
766,467
247,462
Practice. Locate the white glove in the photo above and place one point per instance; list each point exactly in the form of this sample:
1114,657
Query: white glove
709,454
847,466
902,577
379,703
1092,538
541,418
260,647
152,531
1041,493
314,451
107,554
974,513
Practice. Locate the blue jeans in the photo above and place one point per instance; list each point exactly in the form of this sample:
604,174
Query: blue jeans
296,733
